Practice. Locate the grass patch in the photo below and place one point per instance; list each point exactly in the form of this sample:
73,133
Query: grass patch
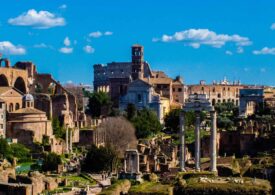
151,188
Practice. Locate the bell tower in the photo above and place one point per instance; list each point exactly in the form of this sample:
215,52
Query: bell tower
137,62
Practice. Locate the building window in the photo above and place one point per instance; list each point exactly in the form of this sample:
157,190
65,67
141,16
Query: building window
213,102
219,95
2,116
1,105
139,98
202,88
17,106
1,126
173,89
213,90
179,89
11,107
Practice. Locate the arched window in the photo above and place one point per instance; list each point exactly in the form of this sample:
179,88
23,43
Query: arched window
17,106
213,102
11,107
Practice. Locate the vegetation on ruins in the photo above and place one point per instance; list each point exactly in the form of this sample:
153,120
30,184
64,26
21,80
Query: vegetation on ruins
99,104
58,130
51,162
100,159
146,123
15,150
227,113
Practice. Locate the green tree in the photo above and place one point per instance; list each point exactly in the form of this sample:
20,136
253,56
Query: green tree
20,152
100,159
51,162
99,104
227,113
171,120
131,111
146,123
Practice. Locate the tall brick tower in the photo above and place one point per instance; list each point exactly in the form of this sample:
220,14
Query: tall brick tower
137,62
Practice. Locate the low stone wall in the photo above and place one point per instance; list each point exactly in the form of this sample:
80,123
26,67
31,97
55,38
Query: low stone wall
15,189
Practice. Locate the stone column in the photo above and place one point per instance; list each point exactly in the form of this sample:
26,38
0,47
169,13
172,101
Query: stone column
67,137
182,142
137,162
197,142
125,163
71,140
213,142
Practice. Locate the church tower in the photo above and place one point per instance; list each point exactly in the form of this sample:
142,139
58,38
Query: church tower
137,62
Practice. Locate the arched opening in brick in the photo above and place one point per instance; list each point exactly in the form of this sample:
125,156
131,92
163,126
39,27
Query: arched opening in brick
3,81
20,85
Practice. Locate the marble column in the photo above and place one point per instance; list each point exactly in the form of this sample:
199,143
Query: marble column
67,137
213,142
71,141
182,142
197,142
125,163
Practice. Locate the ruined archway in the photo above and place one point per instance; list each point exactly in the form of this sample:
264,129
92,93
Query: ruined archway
3,81
20,85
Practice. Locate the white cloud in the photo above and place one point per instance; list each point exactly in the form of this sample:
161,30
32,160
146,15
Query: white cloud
89,49
96,34
64,6
200,37
108,33
272,27
41,19
40,45
240,50
67,41
227,52
265,51
8,48
66,50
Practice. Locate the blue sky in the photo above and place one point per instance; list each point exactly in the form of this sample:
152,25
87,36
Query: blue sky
200,40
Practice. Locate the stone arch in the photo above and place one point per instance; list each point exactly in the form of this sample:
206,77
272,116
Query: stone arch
20,85
3,81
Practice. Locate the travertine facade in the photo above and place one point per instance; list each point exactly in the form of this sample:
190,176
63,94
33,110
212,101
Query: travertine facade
218,92
2,118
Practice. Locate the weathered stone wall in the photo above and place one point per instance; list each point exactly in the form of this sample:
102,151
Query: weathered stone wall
86,137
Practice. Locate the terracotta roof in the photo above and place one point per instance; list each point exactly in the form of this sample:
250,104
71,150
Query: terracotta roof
28,111
159,74
177,83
